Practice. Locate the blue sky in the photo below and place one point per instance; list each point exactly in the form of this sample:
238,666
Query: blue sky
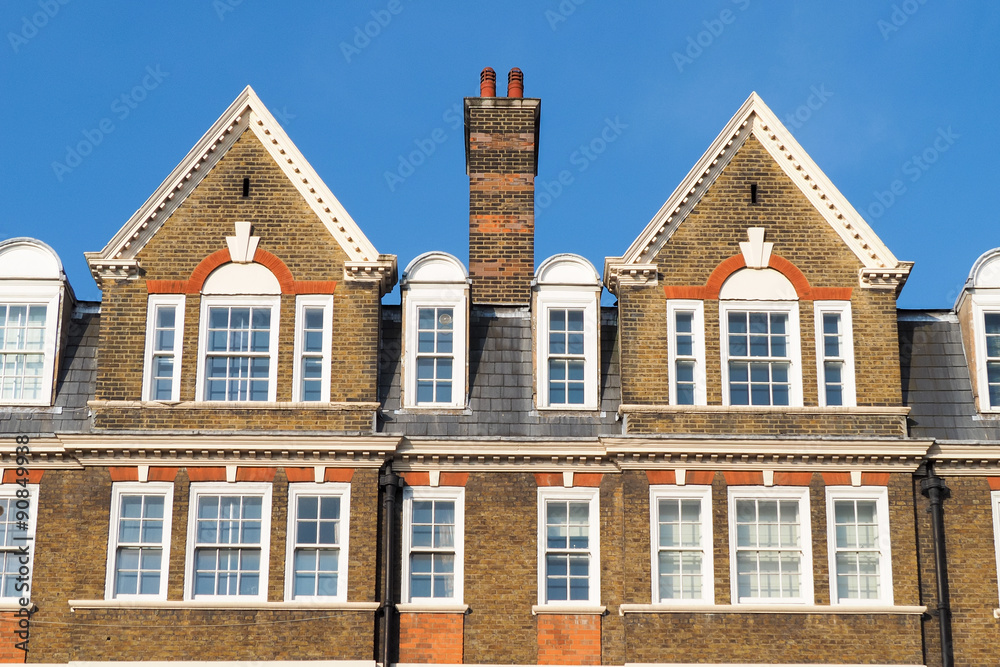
894,100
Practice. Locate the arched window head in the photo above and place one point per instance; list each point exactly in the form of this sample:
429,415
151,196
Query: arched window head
567,346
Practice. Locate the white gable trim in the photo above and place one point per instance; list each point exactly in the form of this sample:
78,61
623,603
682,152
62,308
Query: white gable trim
755,118
247,111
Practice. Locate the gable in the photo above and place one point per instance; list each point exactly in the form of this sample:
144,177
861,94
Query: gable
245,118
756,123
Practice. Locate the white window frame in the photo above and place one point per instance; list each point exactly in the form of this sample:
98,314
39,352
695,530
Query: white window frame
698,335
702,494
590,495
325,302
799,494
260,301
9,491
31,295
842,308
119,489
327,489
155,302
424,297
880,495
981,305
445,493
198,489
794,333
562,299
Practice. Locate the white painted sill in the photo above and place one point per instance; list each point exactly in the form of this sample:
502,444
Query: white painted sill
291,605
594,609
425,608
768,609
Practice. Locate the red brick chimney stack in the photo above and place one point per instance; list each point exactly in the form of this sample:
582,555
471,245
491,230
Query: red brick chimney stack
501,159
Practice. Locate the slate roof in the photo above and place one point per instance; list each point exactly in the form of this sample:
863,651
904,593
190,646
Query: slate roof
500,383
936,381
74,383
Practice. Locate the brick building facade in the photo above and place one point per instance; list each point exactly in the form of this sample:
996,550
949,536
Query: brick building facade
241,454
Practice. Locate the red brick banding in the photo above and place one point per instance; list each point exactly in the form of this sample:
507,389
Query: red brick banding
726,268
206,473
569,639
254,474
10,476
431,638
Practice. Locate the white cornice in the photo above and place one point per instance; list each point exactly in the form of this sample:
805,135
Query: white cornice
755,118
246,112
964,459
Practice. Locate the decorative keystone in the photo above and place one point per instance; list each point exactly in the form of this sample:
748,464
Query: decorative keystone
242,247
756,252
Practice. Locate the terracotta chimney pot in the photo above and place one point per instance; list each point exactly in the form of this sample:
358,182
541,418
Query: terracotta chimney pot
488,83
515,83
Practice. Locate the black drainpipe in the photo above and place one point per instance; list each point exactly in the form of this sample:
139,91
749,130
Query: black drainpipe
388,482
934,488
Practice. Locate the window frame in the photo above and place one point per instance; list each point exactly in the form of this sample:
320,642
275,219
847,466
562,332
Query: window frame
325,302
341,490
445,493
698,334
198,489
31,295
229,301
154,302
983,304
119,489
9,491
550,298
801,495
423,297
575,494
794,343
843,308
880,495
702,493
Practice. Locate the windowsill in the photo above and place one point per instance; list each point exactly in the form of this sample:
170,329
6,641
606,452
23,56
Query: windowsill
571,409
10,604
434,410
812,409
236,405
431,608
221,604
31,406
768,609
568,609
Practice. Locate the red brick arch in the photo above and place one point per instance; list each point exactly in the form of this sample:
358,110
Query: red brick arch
273,263
729,266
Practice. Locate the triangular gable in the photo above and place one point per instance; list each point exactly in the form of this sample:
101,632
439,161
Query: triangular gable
880,266
117,259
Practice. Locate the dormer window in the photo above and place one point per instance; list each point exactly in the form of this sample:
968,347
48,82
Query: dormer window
981,302
32,283
435,325
566,306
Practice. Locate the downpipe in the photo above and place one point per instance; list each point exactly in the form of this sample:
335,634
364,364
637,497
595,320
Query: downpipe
936,491
389,485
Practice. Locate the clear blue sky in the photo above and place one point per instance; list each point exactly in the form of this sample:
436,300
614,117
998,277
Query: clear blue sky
885,79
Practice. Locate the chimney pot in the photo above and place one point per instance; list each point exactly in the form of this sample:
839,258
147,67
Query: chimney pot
515,83
488,83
